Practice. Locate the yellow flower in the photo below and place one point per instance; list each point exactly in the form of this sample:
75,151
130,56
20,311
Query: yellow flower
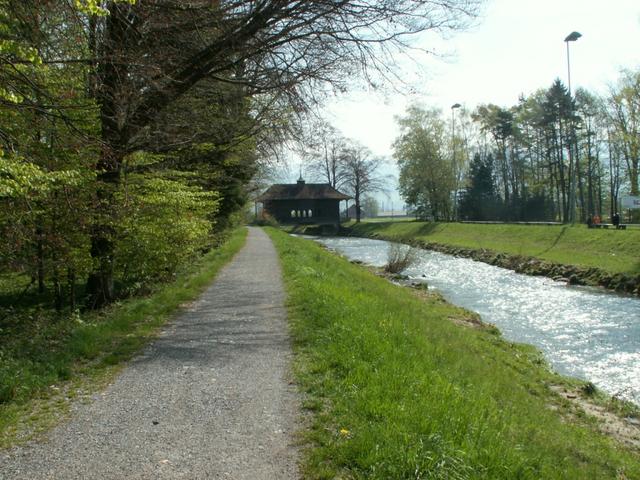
344,431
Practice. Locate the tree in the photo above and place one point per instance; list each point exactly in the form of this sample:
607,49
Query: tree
480,200
624,114
461,128
499,123
285,49
371,206
323,147
591,113
148,75
427,178
360,171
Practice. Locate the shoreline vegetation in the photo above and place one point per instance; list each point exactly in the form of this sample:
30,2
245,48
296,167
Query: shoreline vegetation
49,360
400,384
604,258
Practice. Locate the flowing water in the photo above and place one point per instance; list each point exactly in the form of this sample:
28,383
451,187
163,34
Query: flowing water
583,332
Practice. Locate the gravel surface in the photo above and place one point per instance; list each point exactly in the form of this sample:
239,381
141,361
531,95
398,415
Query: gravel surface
211,398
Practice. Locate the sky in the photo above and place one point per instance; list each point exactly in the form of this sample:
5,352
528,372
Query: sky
516,47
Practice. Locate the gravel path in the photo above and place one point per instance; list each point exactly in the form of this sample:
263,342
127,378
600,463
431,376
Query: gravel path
211,398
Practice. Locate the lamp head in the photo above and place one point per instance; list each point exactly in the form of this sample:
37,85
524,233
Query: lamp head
572,37
455,105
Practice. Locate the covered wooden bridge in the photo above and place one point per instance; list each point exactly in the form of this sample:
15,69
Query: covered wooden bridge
303,203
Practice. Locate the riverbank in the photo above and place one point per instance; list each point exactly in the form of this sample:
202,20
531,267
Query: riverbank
48,359
398,386
580,256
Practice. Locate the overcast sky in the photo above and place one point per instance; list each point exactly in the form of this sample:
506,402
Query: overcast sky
516,48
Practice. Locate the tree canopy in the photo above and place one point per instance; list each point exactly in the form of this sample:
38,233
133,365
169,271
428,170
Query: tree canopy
131,130
553,156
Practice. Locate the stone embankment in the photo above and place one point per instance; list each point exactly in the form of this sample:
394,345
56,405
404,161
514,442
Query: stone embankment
571,274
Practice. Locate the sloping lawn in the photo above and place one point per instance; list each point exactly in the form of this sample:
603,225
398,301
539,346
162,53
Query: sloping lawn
614,251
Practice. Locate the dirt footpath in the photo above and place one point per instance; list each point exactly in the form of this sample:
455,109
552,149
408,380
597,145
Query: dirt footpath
211,398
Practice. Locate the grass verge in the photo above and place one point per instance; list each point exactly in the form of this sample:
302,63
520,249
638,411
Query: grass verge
48,360
614,251
397,390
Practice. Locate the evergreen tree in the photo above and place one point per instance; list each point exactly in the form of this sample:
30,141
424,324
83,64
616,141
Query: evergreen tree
481,201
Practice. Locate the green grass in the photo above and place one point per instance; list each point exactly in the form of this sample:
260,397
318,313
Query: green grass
47,358
614,251
396,390
387,219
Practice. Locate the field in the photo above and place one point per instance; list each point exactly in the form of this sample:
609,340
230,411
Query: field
401,385
614,251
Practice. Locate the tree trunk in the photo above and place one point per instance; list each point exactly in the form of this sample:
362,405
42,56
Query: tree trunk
71,283
100,283
115,139
40,257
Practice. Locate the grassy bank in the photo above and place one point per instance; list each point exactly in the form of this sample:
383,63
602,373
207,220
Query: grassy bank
614,251
396,389
46,359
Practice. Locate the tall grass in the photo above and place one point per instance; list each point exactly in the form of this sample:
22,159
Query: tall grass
46,357
397,390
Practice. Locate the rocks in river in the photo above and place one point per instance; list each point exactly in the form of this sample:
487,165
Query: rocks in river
574,280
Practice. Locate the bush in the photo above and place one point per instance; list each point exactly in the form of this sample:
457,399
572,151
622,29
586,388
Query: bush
266,220
399,258
166,223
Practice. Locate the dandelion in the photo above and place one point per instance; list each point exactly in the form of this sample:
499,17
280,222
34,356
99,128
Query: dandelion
344,432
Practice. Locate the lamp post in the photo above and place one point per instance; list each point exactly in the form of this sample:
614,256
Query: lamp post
453,155
572,37
453,122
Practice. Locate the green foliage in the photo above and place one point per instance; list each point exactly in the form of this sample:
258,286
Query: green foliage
93,7
426,173
42,222
624,114
480,200
165,222
396,390
24,180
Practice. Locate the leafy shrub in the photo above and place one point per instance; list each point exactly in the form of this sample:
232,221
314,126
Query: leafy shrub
165,223
266,220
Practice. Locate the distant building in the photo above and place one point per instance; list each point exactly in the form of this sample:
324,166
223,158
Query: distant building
351,212
301,202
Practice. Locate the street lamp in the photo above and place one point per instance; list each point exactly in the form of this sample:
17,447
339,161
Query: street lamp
572,37
453,122
453,155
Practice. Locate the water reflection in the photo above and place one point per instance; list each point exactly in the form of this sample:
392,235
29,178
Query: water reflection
583,332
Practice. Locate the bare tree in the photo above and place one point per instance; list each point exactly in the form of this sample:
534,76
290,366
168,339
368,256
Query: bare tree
360,170
322,147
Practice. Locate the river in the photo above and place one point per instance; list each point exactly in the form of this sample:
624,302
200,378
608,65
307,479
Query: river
583,332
